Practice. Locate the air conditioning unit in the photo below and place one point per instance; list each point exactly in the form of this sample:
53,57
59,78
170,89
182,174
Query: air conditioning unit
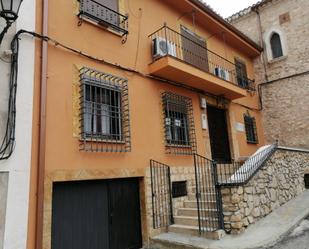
162,47
222,73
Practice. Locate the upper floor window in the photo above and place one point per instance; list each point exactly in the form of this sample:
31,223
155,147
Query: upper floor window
250,126
105,13
241,73
194,49
276,46
105,112
179,124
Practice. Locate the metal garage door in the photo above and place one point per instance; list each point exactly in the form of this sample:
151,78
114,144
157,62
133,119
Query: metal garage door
96,215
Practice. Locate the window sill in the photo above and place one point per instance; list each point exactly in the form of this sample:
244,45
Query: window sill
179,146
282,58
101,140
109,29
252,142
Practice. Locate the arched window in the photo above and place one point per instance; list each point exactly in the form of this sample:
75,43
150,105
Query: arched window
276,46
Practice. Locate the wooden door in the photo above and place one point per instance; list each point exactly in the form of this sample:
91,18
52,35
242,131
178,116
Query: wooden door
194,49
125,214
218,133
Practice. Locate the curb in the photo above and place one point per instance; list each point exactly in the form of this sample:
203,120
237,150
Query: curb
190,242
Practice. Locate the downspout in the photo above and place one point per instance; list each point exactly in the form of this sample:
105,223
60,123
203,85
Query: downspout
256,10
42,131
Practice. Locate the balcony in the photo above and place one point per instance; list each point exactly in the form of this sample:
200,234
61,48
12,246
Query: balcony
103,16
179,58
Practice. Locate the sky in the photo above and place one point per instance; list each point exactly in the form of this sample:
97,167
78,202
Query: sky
228,7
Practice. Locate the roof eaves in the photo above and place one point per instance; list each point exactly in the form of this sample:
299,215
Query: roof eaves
247,11
208,10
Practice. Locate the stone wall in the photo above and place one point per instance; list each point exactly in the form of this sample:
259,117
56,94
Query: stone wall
286,111
177,174
285,102
277,182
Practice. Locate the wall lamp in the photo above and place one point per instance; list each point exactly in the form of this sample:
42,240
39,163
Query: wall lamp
9,11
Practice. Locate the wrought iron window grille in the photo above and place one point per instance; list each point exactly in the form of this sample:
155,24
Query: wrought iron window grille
178,124
103,16
250,127
104,112
241,75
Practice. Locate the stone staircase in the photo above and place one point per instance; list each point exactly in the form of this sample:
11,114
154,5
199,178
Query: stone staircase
186,217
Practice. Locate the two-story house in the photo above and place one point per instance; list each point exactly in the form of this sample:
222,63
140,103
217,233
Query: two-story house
125,85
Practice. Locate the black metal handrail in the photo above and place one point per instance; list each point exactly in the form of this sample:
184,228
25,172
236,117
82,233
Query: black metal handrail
104,15
197,55
237,173
208,195
162,207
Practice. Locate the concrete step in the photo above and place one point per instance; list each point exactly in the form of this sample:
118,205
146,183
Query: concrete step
205,196
193,221
193,204
208,189
194,231
193,212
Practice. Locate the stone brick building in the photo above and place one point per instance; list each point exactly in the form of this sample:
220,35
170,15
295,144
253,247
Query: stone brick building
281,27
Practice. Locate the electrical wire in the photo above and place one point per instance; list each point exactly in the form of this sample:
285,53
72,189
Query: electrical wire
138,35
8,143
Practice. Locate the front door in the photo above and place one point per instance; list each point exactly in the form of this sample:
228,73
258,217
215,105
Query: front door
101,214
218,133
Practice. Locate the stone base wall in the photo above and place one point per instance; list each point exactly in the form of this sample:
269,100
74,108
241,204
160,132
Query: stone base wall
277,182
182,174
177,174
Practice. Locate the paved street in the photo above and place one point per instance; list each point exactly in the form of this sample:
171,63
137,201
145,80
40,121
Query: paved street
298,239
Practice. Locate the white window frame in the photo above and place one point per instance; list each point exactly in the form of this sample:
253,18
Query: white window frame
267,37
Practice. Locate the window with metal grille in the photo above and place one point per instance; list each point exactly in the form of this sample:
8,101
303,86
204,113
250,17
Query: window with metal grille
105,13
105,112
179,124
241,73
251,133
276,46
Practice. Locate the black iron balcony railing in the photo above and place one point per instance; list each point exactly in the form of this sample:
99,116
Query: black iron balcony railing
103,15
167,41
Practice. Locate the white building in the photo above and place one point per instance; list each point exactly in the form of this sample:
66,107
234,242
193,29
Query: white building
15,171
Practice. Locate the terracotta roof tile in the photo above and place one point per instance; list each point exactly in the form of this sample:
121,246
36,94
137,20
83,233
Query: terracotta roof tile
247,10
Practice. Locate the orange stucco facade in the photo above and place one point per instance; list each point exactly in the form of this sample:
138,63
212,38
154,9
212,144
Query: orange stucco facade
63,159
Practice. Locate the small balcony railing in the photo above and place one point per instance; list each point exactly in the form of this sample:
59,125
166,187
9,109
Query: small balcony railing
104,16
168,42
